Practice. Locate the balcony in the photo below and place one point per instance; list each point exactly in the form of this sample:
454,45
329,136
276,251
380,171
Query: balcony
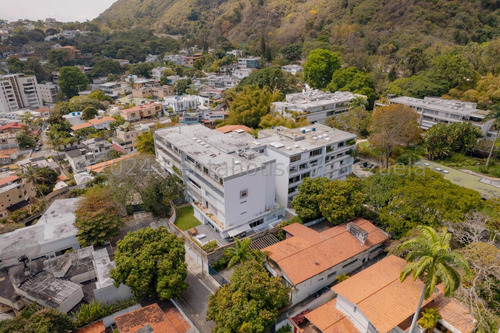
210,215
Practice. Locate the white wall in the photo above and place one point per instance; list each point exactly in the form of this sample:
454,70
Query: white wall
355,315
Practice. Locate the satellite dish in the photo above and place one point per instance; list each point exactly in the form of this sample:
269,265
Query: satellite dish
20,251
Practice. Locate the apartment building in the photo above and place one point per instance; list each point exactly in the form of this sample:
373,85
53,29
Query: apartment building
181,103
48,92
292,69
249,62
155,92
126,135
433,110
311,151
231,186
314,105
91,151
18,91
139,112
14,194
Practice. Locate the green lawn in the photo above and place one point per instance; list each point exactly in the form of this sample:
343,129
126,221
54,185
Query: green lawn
185,218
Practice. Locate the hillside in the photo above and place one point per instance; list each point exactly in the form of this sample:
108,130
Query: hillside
344,22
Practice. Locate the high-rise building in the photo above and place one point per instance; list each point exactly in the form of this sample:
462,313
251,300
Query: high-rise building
18,91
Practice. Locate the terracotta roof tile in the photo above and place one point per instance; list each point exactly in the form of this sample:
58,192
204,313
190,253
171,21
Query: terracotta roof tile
101,120
233,128
80,126
309,253
455,314
8,179
101,166
97,327
153,315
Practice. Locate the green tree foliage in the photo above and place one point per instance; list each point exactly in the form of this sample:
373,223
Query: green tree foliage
441,139
248,106
242,252
457,70
353,80
291,52
44,178
25,138
425,198
72,81
89,112
273,120
341,200
393,126
151,262
415,60
59,57
142,69
182,86
356,120
79,103
145,143
35,319
271,77
430,318
249,303
30,67
105,67
427,83
431,258
485,94
494,117
97,217
319,67
100,96
157,193
306,202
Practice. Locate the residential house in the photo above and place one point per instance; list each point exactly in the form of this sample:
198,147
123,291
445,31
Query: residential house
18,91
236,53
190,60
231,187
375,300
72,51
14,194
233,129
88,153
98,123
314,105
311,151
11,127
249,62
8,156
176,59
308,260
139,112
43,112
433,110
126,135
292,69
154,92
157,72
181,103
48,92
8,140
241,73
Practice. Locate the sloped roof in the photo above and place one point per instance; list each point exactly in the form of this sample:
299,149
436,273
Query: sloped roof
233,128
153,316
97,121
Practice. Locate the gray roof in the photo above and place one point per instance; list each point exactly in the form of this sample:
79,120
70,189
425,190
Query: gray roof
438,104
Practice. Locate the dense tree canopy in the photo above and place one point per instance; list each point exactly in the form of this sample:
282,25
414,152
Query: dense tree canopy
72,81
341,200
151,262
306,203
249,303
271,77
319,68
356,120
35,319
353,80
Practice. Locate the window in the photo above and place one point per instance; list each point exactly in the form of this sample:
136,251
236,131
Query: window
320,280
243,193
256,223
330,275
341,144
316,152
294,158
350,263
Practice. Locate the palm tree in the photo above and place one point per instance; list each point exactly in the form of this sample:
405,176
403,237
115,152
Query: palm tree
495,116
30,175
429,320
431,258
242,252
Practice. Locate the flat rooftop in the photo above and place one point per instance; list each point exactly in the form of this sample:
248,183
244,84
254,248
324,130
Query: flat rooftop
103,266
319,97
292,141
445,105
225,155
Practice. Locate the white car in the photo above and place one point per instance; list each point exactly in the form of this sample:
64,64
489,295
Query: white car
446,171
438,169
426,164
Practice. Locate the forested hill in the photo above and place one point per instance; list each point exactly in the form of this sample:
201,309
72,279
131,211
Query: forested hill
343,22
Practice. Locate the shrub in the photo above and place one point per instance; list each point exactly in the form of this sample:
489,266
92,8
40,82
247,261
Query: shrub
342,277
210,246
408,158
285,329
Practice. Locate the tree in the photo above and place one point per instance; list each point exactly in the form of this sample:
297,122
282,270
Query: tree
142,69
271,77
437,141
249,303
429,320
25,138
97,217
34,319
319,67
250,105
158,192
415,60
431,258
355,81
291,52
274,120
79,103
151,262
356,120
306,202
241,252
105,67
59,57
100,96
457,70
72,81
393,126
494,117
341,200
182,85
89,112
43,179
145,143
427,83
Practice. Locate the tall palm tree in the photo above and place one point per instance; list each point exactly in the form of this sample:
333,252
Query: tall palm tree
431,258
30,175
495,116
242,252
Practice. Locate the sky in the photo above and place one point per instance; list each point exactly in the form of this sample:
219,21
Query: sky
62,10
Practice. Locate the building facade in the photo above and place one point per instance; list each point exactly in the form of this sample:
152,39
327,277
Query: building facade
18,91
48,92
249,62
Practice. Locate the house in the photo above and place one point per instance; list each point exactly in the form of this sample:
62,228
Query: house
8,156
182,103
190,60
99,167
72,51
157,72
236,53
241,73
43,112
8,140
48,92
375,300
311,151
249,62
154,92
292,69
176,59
98,123
232,187
88,153
314,105
433,110
308,260
126,135
11,127
139,112
14,194
233,128
53,234
152,318
19,91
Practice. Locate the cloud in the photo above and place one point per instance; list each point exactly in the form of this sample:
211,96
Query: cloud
62,10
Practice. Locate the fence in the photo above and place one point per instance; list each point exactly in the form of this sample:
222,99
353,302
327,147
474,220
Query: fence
217,277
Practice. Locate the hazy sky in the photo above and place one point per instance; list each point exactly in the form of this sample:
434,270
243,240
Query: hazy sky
62,10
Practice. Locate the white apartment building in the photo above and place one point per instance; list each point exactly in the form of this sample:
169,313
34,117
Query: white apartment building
181,103
48,92
249,62
292,69
311,151
18,91
315,105
433,110
230,185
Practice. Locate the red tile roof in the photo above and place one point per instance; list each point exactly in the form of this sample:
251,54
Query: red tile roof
80,126
11,126
309,253
97,327
104,165
101,120
233,128
170,321
138,107
8,179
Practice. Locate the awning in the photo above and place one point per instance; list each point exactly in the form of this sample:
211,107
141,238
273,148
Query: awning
238,230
